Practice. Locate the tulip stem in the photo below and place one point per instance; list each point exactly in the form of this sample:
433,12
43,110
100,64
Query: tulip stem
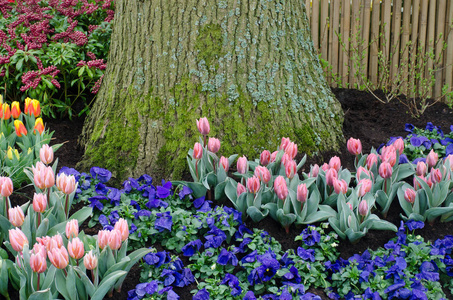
196,169
37,284
6,206
39,221
66,210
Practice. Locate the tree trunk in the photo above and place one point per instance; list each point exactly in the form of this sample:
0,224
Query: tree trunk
249,66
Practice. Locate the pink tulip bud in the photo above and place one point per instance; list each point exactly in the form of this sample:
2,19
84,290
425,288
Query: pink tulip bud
364,186
363,208
47,178
72,228
331,176
122,226
435,175
213,145
388,154
325,167
39,249
290,169
429,182
103,238
6,186
291,150
265,157
38,263
263,174
417,185
46,154
90,261
197,151
223,162
280,187
340,186
274,156
399,145
385,170
371,160
314,171
349,221
114,239
409,195
449,162
335,163
58,257
431,159
285,159
16,216
302,193
240,189
284,143
55,241
39,202
76,248
354,146
203,126
17,239
242,165
421,168
66,183
362,173
253,184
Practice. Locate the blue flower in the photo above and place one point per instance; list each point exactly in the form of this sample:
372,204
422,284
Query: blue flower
285,295
130,184
371,295
310,236
233,282
101,189
225,257
70,171
214,238
114,196
95,202
249,296
306,254
146,179
185,191
142,213
428,271
197,203
409,127
190,248
292,275
417,141
415,161
310,296
146,288
202,294
397,270
157,259
133,228
403,159
267,270
430,126
412,224
171,295
103,175
250,258
163,221
177,275
449,150
164,190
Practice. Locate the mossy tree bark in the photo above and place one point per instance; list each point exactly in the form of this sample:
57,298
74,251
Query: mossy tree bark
249,66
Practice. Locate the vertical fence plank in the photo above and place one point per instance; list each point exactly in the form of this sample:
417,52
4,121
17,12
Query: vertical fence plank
415,44
355,50
308,10
374,47
335,17
345,29
315,23
366,13
430,38
404,60
439,42
325,33
385,39
449,50
395,45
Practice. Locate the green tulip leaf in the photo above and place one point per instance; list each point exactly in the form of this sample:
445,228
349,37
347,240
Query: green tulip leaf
255,214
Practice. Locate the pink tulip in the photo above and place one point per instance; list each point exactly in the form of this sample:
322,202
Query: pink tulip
39,202
421,168
435,175
39,248
274,156
388,154
46,154
302,193
335,163
285,159
16,216
354,146
203,126
49,178
66,183
265,157
280,187
290,169
385,170
58,256
103,238
364,187
114,239
17,239
122,226
76,248
90,261
399,145
362,172
314,171
417,185
253,184
284,143
363,208
449,162
72,228
197,151
242,165
291,150
431,159
223,162
409,195
55,241
213,145
371,160
263,174
6,186
38,263
240,189
331,176
340,186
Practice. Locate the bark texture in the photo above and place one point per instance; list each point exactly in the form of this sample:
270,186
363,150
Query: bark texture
248,66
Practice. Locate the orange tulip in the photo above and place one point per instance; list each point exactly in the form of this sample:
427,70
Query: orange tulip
15,109
39,126
20,128
5,112
27,106
32,107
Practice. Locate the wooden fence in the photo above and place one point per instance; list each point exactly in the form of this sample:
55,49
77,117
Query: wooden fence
392,43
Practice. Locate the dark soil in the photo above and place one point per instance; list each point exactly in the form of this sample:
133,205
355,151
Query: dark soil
365,118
